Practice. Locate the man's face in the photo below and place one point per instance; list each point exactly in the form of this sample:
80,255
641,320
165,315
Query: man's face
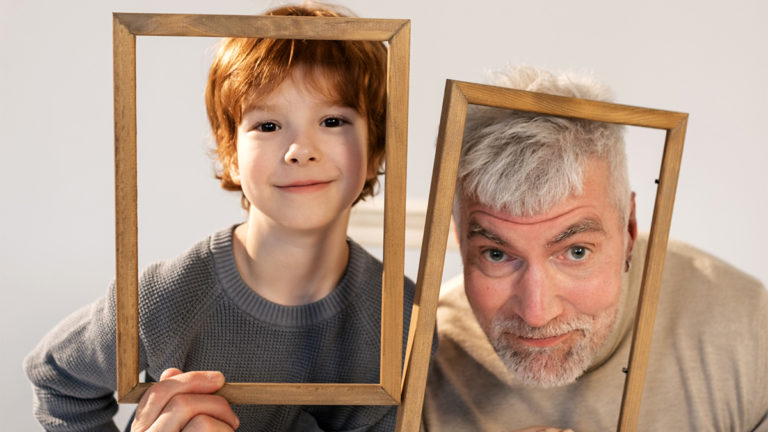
545,288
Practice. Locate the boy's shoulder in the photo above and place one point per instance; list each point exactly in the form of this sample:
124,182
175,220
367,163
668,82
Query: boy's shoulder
366,269
190,273
175,291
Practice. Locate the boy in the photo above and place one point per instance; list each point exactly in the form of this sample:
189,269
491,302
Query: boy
284,296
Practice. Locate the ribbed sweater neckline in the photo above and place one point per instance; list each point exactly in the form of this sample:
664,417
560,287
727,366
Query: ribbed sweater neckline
262,309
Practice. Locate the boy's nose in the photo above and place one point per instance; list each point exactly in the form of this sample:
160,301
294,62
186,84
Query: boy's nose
300,154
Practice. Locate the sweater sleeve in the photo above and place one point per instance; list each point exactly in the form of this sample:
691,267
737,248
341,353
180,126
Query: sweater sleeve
72,371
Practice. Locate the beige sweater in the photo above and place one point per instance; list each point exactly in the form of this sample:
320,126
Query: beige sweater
708,367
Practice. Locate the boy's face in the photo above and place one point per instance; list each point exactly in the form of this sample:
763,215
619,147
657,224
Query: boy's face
302,159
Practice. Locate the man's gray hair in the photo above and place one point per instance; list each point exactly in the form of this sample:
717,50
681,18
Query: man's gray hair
524,163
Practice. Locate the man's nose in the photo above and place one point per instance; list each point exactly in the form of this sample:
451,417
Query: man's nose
302,151
538,300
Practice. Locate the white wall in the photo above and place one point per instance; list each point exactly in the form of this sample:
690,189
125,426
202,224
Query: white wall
56,224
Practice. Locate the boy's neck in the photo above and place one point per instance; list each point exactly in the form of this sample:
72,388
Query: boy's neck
288,267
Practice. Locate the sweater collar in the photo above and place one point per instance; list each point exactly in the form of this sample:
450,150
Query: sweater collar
264,310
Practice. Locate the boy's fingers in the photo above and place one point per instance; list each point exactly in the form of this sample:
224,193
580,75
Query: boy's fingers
155,399
184,409
170,372
208,424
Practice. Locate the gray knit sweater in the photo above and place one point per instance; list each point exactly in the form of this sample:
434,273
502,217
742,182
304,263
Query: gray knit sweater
196,313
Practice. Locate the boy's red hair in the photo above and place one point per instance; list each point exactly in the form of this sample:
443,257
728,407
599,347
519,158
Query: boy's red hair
245,69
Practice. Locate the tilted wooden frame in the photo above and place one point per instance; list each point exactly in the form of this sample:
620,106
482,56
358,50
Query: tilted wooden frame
126,26
458,95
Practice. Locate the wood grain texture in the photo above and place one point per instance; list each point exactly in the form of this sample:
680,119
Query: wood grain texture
126,244
436,231
541,103
291,394
398,68
397,33
276,27
651,284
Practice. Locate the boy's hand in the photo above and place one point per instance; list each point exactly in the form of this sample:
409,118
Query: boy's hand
183,402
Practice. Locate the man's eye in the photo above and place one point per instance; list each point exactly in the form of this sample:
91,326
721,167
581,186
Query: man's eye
332,122
494,255
267,127
577,253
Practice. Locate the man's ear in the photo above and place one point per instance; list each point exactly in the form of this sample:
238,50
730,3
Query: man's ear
631,226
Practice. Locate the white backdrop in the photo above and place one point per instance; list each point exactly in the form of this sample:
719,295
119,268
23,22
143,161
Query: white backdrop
56,175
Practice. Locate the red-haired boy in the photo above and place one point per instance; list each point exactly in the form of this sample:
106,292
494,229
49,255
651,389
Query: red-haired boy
284,296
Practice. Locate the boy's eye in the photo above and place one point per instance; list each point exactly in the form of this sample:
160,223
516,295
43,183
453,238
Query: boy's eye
332,122
267,127
577,253
494,255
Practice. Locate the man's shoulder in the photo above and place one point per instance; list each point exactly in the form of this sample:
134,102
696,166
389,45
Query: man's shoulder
710,337
706,264
695,278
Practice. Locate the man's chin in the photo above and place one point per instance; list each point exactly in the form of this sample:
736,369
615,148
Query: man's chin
545,369
539,357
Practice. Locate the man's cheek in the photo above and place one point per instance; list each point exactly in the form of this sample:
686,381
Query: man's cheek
485,302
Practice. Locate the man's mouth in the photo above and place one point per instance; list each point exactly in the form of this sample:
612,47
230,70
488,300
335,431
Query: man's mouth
543,342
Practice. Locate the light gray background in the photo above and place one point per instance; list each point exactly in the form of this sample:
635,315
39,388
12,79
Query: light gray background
56,174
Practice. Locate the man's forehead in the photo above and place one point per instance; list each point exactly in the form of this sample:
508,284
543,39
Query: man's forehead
557,231
563,210
566,219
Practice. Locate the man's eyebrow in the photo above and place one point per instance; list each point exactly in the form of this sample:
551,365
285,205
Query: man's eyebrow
475,229
584,225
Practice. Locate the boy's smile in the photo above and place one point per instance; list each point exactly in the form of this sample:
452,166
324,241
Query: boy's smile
304,186
302,157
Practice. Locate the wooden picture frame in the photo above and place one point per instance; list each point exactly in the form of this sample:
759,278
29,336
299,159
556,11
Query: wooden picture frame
458,95
396,33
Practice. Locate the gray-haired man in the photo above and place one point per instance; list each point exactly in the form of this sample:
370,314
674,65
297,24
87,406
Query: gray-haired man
538,329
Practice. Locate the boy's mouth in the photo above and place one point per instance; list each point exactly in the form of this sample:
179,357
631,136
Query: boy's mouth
304,186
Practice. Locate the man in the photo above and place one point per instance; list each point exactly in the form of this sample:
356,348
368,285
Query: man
538,329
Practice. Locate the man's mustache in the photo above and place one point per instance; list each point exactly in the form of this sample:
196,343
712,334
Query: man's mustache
559,326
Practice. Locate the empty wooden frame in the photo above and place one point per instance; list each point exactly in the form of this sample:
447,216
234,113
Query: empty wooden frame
396,33
458,95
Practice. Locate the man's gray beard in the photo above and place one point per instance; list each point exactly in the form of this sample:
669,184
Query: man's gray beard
552,366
